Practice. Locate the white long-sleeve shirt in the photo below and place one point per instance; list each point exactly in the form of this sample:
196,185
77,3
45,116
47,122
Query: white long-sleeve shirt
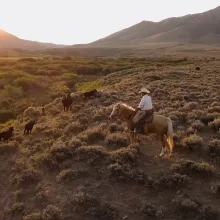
145,103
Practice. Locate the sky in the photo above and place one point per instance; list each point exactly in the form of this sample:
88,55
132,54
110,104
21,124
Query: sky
82,21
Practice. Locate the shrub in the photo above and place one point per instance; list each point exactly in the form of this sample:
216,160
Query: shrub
52,212
214,109
172,181
150,209
115,128
216,188
27,83
116,140
190,106
27,59
32,112
75,143
198,125
74,128
186,205
191,167
91,153
12,91
190,131
126,173
95,134
191,208
59,151
6,115
69,174
9,147
215,125
214,149
27,177
16,208
34,216
44,159
93,207
214,104
206,119
124,156
192,142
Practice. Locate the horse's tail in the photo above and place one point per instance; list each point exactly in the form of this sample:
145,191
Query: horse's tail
170,135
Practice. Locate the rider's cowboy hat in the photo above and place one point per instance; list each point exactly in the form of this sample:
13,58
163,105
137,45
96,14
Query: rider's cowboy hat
144,90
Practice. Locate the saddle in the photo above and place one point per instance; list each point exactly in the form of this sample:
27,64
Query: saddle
146,120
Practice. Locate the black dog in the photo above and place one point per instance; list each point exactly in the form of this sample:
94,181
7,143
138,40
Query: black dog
5,135
29,126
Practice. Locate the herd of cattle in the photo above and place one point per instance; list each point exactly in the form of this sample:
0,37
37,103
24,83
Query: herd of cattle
66,101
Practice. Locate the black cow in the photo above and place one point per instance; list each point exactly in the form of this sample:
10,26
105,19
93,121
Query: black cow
29,126
5,135
67,102
90,93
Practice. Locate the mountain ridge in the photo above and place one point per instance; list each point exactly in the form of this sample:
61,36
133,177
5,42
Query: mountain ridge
10,41
192,28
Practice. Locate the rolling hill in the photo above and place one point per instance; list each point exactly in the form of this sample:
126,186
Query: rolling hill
197,28
10,41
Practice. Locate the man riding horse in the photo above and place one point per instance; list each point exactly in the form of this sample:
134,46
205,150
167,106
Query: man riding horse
144,112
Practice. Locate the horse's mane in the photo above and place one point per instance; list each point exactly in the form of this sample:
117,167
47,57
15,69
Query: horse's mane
126,106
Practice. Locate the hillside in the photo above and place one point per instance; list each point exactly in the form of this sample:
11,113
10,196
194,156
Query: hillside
10,41
80,164
197,28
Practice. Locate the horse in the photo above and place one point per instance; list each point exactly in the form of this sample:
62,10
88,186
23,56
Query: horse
5,135
29,126
161,126
67,102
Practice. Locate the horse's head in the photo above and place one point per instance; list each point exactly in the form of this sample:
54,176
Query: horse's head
123,111
116,110
11,129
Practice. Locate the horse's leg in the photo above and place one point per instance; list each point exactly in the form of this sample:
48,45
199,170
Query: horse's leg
163,143
170,144
131,137
135,137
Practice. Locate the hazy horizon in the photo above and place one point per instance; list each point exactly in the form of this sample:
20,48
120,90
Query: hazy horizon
76,22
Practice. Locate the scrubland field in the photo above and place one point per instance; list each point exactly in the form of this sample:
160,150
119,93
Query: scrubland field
79,165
